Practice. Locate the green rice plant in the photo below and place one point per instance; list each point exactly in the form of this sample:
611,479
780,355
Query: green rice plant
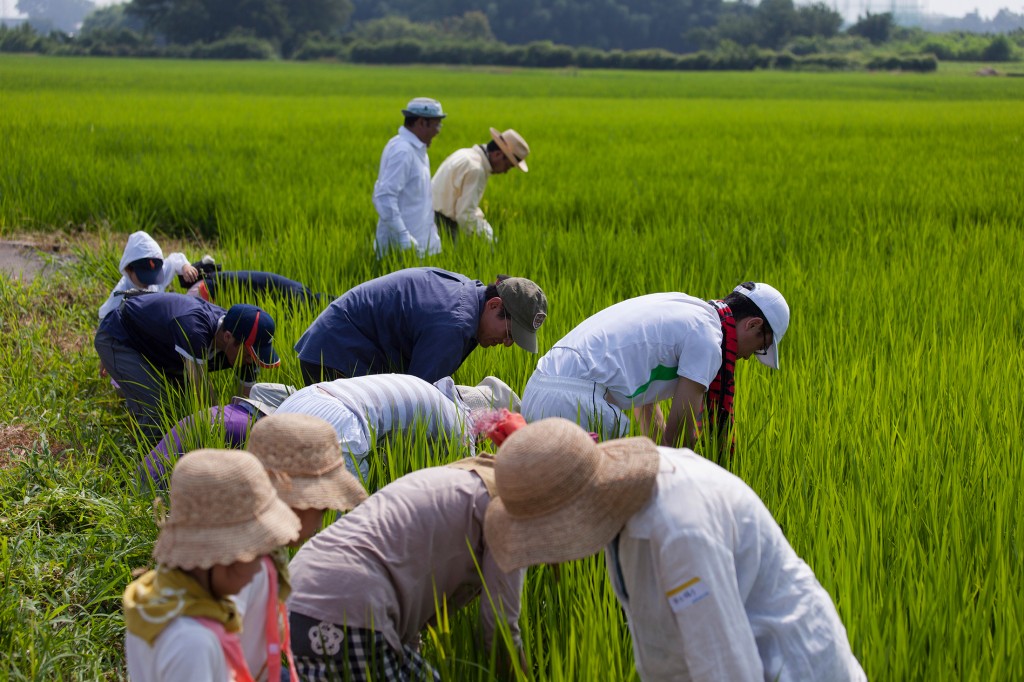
886,208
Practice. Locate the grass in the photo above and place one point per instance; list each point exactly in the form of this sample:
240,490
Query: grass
886,208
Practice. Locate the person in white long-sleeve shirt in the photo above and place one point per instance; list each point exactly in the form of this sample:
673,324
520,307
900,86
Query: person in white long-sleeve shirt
401,194
710,586
143,266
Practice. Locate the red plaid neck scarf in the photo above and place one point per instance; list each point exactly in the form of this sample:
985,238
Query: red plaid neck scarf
720,393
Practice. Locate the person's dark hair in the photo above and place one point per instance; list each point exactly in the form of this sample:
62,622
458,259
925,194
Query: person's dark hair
492,146
410,121
742,307
492,289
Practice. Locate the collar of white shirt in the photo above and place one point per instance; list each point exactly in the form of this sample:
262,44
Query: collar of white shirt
411,138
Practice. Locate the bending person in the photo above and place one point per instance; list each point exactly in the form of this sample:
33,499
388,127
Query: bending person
710,586
365,587
255,283
365,410
235,419
639,352
419,321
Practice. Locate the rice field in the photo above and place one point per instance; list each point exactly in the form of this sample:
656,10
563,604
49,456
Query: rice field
886,208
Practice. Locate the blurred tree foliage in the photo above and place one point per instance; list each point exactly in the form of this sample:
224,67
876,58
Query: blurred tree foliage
282,22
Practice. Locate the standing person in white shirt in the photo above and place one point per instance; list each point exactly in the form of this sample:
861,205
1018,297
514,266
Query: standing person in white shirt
401,194
639,352
710,586
460,181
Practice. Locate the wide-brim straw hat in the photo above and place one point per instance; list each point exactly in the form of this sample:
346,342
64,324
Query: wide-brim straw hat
223,510
563,497
305,462
490,394
512,146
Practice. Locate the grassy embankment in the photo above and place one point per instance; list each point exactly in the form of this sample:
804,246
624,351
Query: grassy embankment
886,208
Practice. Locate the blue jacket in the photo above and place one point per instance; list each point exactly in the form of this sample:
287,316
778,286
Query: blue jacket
419,321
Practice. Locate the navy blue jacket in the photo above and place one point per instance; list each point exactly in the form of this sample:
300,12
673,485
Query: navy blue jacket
419,321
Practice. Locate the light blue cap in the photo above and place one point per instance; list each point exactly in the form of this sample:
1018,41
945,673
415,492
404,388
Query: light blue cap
425,107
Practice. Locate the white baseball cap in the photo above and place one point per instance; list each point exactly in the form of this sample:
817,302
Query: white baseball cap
776,313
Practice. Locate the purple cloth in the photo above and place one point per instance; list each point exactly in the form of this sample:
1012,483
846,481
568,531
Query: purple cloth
236,419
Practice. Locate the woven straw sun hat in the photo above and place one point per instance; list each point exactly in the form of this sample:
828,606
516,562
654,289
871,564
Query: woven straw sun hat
561,496
513,146
223,510
305,463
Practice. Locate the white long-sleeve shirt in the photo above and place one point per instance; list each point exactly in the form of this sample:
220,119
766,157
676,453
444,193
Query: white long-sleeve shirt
140,245
458,186
402,197
713,591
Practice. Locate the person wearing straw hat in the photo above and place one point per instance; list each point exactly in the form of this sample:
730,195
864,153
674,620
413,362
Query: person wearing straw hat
419,321
639,352
710,586
302,457
460,181
231,422
153,340
401,194
366,410
365,587
225,516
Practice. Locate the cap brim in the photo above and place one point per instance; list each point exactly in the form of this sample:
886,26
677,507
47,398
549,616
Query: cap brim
265,356
406,112
524,337
148,277
771,358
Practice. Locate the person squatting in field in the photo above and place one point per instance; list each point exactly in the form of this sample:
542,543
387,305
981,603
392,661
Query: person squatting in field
153,340
253,283
401,194
301,455
365,587
235,418
225,517
460,181
366,410
419,321
641,351
144,267
710,586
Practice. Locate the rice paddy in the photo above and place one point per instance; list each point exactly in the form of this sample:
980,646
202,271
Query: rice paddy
886,208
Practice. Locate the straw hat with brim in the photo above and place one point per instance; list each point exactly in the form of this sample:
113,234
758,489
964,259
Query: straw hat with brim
512,146
223,510
265,397
561,496
490,394
305,462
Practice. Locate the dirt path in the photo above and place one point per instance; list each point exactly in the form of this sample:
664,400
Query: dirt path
24,259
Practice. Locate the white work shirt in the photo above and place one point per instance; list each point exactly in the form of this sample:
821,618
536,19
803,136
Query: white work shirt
458,186
402,197
638,348
185,650
713,591
251,603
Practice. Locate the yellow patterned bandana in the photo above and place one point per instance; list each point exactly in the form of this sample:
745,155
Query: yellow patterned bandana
153,601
